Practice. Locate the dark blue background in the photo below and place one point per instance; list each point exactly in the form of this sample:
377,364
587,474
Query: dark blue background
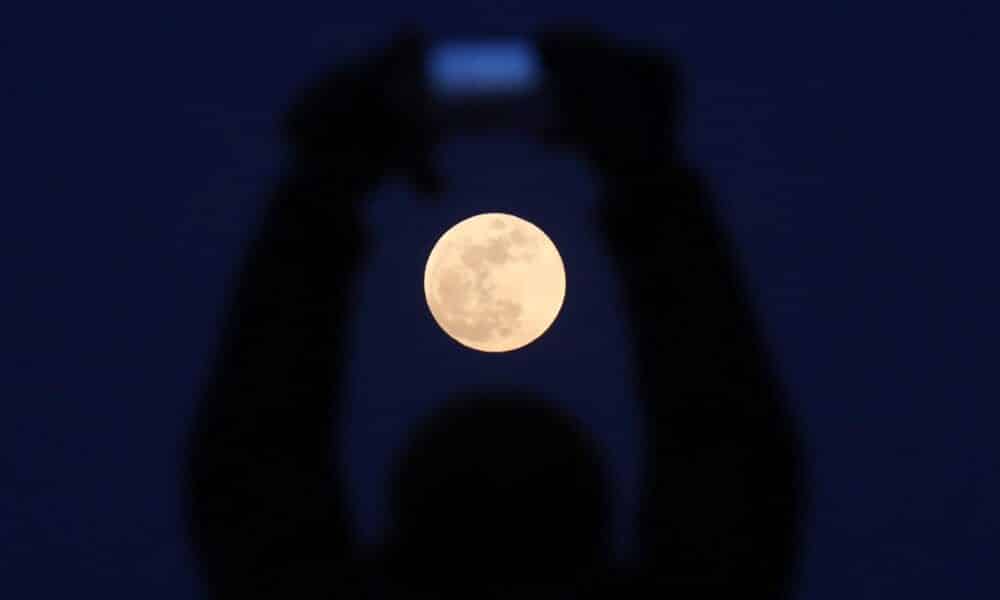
853,152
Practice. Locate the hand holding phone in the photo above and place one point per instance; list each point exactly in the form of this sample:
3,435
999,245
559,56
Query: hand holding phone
617,103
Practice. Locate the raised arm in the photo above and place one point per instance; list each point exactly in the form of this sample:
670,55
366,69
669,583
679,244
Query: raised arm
721,500
268,511
721,503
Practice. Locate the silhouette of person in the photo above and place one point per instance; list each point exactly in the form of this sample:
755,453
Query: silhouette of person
500,495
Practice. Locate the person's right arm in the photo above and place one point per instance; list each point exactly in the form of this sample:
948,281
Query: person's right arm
721,496
720,503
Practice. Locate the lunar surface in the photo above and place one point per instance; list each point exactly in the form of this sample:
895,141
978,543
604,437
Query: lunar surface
494,282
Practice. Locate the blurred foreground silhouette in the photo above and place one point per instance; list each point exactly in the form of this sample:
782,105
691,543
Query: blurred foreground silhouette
501,495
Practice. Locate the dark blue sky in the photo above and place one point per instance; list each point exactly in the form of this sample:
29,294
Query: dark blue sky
852,150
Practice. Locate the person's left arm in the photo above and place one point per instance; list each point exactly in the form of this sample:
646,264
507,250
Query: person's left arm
268,509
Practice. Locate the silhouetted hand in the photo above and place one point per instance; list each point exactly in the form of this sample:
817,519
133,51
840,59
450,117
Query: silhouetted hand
617,107
370,116
616,104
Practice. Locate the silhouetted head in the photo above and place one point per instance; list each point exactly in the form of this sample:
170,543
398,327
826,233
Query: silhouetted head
499,488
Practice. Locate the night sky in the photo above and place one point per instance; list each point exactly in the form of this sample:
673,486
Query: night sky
851,154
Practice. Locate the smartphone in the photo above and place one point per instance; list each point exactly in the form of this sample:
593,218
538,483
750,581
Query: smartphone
486,68
498,83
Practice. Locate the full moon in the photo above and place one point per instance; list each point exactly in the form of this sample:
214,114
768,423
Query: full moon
494,282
